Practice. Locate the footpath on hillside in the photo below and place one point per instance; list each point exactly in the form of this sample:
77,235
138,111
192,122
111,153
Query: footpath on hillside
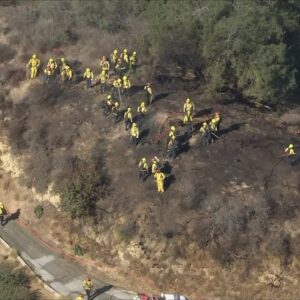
59,273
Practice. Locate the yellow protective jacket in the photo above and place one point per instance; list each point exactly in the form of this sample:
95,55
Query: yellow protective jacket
87,285
188,107
203,129
126,84
160,177
34,62
2,211
143,165
148,89
128,116
142,109
103,77
134,131
290,151
117,84
88,74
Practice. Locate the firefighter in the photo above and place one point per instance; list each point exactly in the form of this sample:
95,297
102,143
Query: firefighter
290,152
141,110
116,111
120,68
103,78
87,286
126,85
160,177
117,85
89,76
188,107
52,64
107,107
172,148
66,73
79,297
149,93
135,133
2,214
63,64
206,134
133,62
155,165
188,122
114,58
34,64
172,133
104,65
128,118
215,123
144,169
124,56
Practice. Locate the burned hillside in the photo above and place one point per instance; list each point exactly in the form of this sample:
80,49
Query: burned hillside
229,215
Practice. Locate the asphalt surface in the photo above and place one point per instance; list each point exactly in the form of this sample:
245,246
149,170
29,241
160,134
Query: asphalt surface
59,273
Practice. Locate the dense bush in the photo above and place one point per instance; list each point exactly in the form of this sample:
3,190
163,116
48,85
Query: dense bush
246,48
14,284
79,195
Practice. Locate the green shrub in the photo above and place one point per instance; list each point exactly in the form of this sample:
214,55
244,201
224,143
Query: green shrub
78,250
39,211
14,284
79,195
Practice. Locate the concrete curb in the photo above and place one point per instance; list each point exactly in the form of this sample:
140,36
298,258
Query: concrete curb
23,263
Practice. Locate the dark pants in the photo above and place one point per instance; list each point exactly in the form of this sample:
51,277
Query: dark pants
2,220
127,124
140,118
149,98
134,140
189,129
172,151
206,138
102,87
88,294
143,174
116,117
88,83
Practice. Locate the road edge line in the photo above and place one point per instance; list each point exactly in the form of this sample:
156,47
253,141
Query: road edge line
24,264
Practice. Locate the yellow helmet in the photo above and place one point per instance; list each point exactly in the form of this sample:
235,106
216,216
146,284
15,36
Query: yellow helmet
134,53
67,67
125,50
129,109
134,125
125,77
50,59
117,104
173,128
34,56
143,104
62,59
144,159
204,124
88,69
291,146
188,100
108,97
115,51
119,80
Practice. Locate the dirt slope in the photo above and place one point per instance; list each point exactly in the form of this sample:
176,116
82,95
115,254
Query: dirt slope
227,224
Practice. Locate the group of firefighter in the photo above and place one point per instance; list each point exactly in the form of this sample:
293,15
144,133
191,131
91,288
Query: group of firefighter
116,70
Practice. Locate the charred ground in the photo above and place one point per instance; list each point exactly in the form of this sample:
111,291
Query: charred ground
230,214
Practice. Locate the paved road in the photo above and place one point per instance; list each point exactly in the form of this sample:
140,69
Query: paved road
62,275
